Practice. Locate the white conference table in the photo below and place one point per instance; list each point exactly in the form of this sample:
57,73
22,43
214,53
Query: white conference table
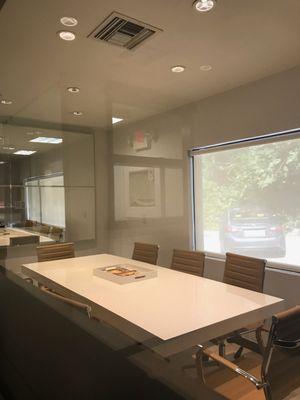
169,313
7,233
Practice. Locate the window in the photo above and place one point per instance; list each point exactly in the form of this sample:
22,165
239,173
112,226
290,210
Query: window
247,199
45,200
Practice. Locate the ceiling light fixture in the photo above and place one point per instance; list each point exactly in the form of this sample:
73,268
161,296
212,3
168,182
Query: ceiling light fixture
24,152
2,162
43,139
206,68
6,102
73,89
8,148
204,5
178,68
67,35
69,21
77,113
115,120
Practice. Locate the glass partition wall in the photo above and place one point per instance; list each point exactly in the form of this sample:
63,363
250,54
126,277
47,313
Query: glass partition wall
47,182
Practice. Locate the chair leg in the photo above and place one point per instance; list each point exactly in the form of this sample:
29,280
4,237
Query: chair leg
267,391
238,353
222,348
258,334
199,365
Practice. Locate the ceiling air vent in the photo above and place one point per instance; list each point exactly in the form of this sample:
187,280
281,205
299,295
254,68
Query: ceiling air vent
123,31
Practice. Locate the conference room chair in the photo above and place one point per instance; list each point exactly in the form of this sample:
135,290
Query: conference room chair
44,229
23,240
248,273
280,368
28,223
57,251
145,252
56,233
190,262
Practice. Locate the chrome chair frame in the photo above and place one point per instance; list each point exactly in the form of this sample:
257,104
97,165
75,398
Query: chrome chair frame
263,383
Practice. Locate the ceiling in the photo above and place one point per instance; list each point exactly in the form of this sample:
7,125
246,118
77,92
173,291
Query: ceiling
242,40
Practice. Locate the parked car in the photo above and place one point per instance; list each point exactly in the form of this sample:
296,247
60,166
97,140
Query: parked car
252,232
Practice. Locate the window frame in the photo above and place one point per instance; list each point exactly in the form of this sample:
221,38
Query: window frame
212,148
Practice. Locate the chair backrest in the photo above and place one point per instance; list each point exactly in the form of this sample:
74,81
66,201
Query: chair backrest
44,228
191,262
56,233
281,364
245,272
145,252
28,223
23,240
57,251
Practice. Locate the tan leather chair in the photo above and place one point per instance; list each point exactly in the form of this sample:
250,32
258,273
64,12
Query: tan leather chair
145,252
44,229
56,233
248,273
190,262
56,251
23,240
244,272
280,369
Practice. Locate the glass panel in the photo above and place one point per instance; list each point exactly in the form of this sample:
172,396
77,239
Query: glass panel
247,201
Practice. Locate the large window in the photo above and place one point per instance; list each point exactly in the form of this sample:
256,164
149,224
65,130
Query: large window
247,199
45,200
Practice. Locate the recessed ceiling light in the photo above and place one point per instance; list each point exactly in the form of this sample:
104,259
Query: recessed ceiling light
2,162
204,5
69,21
77,113
206,68
6,102
24,152
178,68
43,139
66,35
73,89
115,120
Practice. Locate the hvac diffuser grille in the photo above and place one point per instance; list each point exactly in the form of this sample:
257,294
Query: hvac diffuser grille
120,30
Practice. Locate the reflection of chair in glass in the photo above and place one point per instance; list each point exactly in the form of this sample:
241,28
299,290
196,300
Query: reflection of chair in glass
145,252
82,306
280,370
23,240
56,233
28,223
191,262
53,252
45,229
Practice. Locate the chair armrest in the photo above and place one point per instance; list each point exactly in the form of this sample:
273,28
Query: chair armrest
235,368
82,306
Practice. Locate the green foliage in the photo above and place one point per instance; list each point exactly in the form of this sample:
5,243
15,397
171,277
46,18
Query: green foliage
265,176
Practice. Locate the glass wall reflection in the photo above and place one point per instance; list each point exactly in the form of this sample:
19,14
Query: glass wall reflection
47,182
